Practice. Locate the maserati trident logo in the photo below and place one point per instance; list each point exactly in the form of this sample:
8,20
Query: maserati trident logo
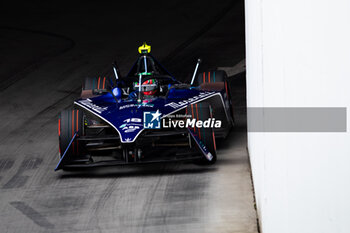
151,120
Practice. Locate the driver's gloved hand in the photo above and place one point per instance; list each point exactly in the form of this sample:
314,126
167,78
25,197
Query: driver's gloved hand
133,95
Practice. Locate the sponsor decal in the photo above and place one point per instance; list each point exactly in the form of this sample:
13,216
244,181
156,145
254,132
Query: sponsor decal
151,120
136,120
131,125
190,100
88,103
191,123
130,128
136,105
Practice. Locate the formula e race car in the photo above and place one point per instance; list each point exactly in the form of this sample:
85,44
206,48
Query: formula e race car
145,117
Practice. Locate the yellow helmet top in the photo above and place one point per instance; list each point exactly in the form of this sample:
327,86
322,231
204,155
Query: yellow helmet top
145,48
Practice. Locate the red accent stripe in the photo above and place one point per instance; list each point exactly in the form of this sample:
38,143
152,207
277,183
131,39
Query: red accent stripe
204,77
98,82
77,121
59,126
214,141
209,77
104,82
199,131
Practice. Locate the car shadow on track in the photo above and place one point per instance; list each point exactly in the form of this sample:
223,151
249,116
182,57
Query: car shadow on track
137,171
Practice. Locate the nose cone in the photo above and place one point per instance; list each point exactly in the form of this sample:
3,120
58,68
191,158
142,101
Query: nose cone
130,128
128,117
143,119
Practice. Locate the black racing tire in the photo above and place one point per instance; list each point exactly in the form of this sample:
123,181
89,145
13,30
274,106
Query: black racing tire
70,121
96,84
203,111
212,76
216,76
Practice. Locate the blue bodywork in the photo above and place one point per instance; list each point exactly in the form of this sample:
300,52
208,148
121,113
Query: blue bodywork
124,113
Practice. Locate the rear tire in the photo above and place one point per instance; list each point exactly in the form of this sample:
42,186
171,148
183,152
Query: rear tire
217,76
70,121
100,83
94,86
213,76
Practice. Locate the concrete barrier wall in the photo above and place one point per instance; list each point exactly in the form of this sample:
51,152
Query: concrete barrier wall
298,55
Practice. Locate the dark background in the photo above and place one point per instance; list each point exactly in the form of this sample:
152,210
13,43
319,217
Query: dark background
100,32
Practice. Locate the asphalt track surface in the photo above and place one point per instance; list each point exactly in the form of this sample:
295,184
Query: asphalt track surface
46,51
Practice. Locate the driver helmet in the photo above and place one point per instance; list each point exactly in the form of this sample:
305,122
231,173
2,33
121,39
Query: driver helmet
149,87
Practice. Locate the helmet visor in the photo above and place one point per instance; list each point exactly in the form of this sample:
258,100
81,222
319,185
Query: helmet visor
149,85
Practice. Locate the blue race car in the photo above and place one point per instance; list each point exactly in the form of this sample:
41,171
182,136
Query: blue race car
145,117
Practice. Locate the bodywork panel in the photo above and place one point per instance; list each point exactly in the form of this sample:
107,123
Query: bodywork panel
126,116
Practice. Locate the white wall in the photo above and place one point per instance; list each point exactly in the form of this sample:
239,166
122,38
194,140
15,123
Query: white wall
298,55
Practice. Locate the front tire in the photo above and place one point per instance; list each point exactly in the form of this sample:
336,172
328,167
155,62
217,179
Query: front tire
70,121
